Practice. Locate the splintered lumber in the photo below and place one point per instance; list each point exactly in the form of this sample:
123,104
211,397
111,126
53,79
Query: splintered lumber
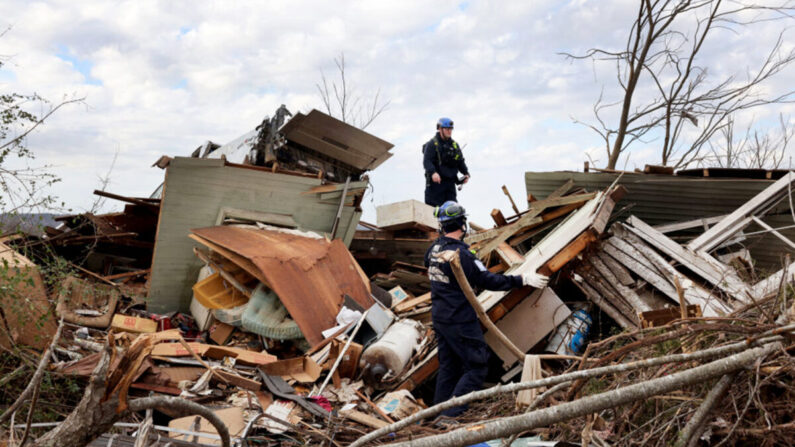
535,209
617,269
411,303
553,243
498,218
710,304
531,218
603,304
661,317
513,204
742,216
530,228
715,272
628,294
568,253
531,371
508,255
634,260
364,418
607,293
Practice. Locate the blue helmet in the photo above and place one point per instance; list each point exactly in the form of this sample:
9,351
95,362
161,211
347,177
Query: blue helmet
445,123
450,211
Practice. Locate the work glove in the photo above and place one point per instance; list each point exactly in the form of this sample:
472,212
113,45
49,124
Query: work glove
536,280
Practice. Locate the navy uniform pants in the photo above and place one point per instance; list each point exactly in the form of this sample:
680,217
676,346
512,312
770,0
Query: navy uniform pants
463,357
438,193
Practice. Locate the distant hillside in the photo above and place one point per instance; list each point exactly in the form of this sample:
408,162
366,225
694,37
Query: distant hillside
27,223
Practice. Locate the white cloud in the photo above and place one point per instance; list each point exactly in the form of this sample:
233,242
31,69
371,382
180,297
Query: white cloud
163,77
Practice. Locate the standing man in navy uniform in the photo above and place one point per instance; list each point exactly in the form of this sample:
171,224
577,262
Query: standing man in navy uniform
462,350
443,160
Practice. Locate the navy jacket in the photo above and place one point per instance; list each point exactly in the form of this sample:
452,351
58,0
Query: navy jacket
448,303
444,157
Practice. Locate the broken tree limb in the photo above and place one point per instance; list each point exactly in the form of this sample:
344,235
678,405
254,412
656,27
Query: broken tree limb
507,426
96,413
554,380
183,407
460,276
695,424
34,381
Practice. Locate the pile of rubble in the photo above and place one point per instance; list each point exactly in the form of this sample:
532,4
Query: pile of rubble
247,304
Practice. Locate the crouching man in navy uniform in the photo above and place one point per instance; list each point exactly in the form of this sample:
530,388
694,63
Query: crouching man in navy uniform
463,353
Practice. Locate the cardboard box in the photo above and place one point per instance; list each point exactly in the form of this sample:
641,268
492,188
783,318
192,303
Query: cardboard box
220,332
232,417
398,295
302,369
398,404
129,323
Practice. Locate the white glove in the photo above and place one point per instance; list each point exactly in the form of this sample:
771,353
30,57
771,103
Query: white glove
536,280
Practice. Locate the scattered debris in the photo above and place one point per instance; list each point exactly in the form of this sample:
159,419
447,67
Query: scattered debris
245,302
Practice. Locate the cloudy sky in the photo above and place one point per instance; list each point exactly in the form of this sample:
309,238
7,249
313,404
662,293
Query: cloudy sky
160,78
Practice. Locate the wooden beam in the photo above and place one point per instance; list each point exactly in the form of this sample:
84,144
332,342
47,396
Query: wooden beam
498,218
513,204
568,253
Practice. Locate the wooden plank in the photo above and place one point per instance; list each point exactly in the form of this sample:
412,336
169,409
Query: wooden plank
536,208
625,292
758,205
408,304
530,371
508,255
421,372
568,253
238,380
711,305
686,225
604,291
724,278
661,317
617,269
603,304
632,259
498,218
513,204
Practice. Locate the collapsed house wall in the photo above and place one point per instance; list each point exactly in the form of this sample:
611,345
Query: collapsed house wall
662,199
197,191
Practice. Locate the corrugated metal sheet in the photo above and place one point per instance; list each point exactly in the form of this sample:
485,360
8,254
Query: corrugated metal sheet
310,276
659,199
195,191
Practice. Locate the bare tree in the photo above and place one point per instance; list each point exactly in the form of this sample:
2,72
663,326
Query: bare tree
664,87
341,99
24,187
755,148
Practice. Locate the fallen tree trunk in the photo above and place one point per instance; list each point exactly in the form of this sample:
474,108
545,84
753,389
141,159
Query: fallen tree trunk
96,413
507,426
554,380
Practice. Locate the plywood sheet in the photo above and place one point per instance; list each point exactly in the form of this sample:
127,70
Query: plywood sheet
528,323
27,310
337,139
